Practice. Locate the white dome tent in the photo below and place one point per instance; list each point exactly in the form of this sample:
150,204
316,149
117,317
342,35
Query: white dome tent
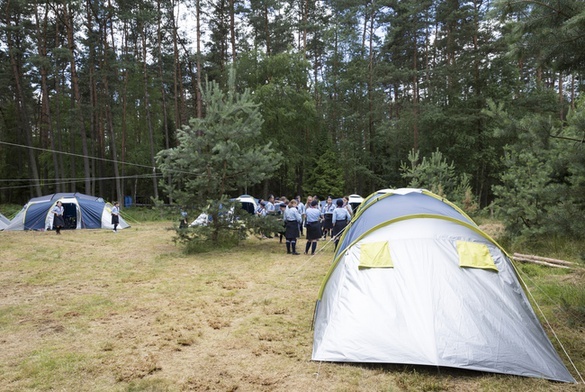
415,281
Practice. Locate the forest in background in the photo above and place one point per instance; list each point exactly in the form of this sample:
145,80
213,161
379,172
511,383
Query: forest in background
355,95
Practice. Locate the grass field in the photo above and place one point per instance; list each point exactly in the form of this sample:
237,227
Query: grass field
92,310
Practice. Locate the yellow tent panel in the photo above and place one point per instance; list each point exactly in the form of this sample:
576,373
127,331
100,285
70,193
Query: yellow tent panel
375,255
475,255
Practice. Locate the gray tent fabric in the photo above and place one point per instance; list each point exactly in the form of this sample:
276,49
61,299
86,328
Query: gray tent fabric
415,281
4,221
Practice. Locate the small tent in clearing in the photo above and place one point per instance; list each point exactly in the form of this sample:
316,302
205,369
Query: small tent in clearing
248,203
415,281
81,212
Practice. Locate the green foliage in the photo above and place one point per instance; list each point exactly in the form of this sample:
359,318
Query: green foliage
373,78
554,246
269,225
440,177
521,200
10,210
573,304
542,186
288,108
218,154
222,228
224,225
149,214
326,178
548,32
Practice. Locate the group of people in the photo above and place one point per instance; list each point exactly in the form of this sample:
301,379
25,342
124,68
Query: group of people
319,221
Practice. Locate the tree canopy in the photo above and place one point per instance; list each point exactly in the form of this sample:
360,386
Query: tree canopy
92,92
219,153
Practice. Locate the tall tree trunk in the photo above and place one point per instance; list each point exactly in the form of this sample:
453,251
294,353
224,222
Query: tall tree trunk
108,109
198,93
561,98
68,20
233,30
46,120
162,84
305,21
124,99
59,81
267,30
178,77
161,77
573,91
371,130
415,99
96,140
21,104
147,109
415,91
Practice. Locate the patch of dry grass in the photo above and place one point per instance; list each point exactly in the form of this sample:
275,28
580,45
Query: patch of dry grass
98,311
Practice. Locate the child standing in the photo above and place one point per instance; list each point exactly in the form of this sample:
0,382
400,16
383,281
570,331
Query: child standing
58,221
116,216
340,219
313,227
292,221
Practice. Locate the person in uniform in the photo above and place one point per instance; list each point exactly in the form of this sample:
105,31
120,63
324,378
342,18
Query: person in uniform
281,209
340,219
313,226
183,223
326,213
347,206
270,208
116,216
261,211
58,220
301,207
292,221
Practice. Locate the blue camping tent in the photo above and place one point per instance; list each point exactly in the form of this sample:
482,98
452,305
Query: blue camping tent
81,212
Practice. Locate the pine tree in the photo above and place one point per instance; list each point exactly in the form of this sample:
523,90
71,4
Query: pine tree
326,177
219,153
